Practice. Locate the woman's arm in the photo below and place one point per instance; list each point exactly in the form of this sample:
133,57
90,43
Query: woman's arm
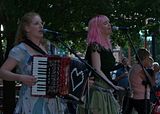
6,74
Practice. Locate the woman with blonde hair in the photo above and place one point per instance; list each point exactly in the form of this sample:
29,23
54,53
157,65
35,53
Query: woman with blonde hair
30,32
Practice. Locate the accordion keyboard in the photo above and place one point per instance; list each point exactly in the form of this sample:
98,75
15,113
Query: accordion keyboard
39,70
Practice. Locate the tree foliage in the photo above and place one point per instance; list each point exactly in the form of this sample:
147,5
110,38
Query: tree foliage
71,17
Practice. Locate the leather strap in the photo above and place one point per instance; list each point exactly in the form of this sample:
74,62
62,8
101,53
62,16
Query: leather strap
35,47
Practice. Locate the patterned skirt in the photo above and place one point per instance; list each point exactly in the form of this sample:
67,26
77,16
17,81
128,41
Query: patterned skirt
100,101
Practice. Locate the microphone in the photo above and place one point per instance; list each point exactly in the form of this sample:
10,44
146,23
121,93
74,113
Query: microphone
51,31
120,28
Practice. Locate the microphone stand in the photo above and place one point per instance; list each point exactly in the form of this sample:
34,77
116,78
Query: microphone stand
87,65
83,61
148,78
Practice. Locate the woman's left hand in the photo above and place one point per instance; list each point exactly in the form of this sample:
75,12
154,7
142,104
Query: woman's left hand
91,81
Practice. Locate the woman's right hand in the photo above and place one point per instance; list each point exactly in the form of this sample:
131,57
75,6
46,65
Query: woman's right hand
28,80
119,88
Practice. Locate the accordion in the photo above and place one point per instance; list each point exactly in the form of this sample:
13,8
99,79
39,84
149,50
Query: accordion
59,76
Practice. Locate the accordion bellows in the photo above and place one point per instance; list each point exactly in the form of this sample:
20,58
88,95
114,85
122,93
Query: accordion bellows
59,76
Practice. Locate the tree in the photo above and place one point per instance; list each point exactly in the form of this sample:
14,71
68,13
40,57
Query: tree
70,17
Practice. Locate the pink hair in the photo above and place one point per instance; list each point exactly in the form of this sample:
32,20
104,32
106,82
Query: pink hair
94,32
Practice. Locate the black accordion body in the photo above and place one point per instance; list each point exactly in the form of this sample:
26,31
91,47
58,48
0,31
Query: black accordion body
59,76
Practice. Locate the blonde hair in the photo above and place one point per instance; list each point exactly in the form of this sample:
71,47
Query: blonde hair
143,53
25,20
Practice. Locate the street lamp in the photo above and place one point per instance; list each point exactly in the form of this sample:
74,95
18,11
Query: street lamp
1,30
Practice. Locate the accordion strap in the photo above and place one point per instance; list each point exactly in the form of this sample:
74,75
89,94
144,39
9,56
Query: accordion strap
35,47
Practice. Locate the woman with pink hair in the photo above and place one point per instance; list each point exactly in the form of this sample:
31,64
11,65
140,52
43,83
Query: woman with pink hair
99,55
